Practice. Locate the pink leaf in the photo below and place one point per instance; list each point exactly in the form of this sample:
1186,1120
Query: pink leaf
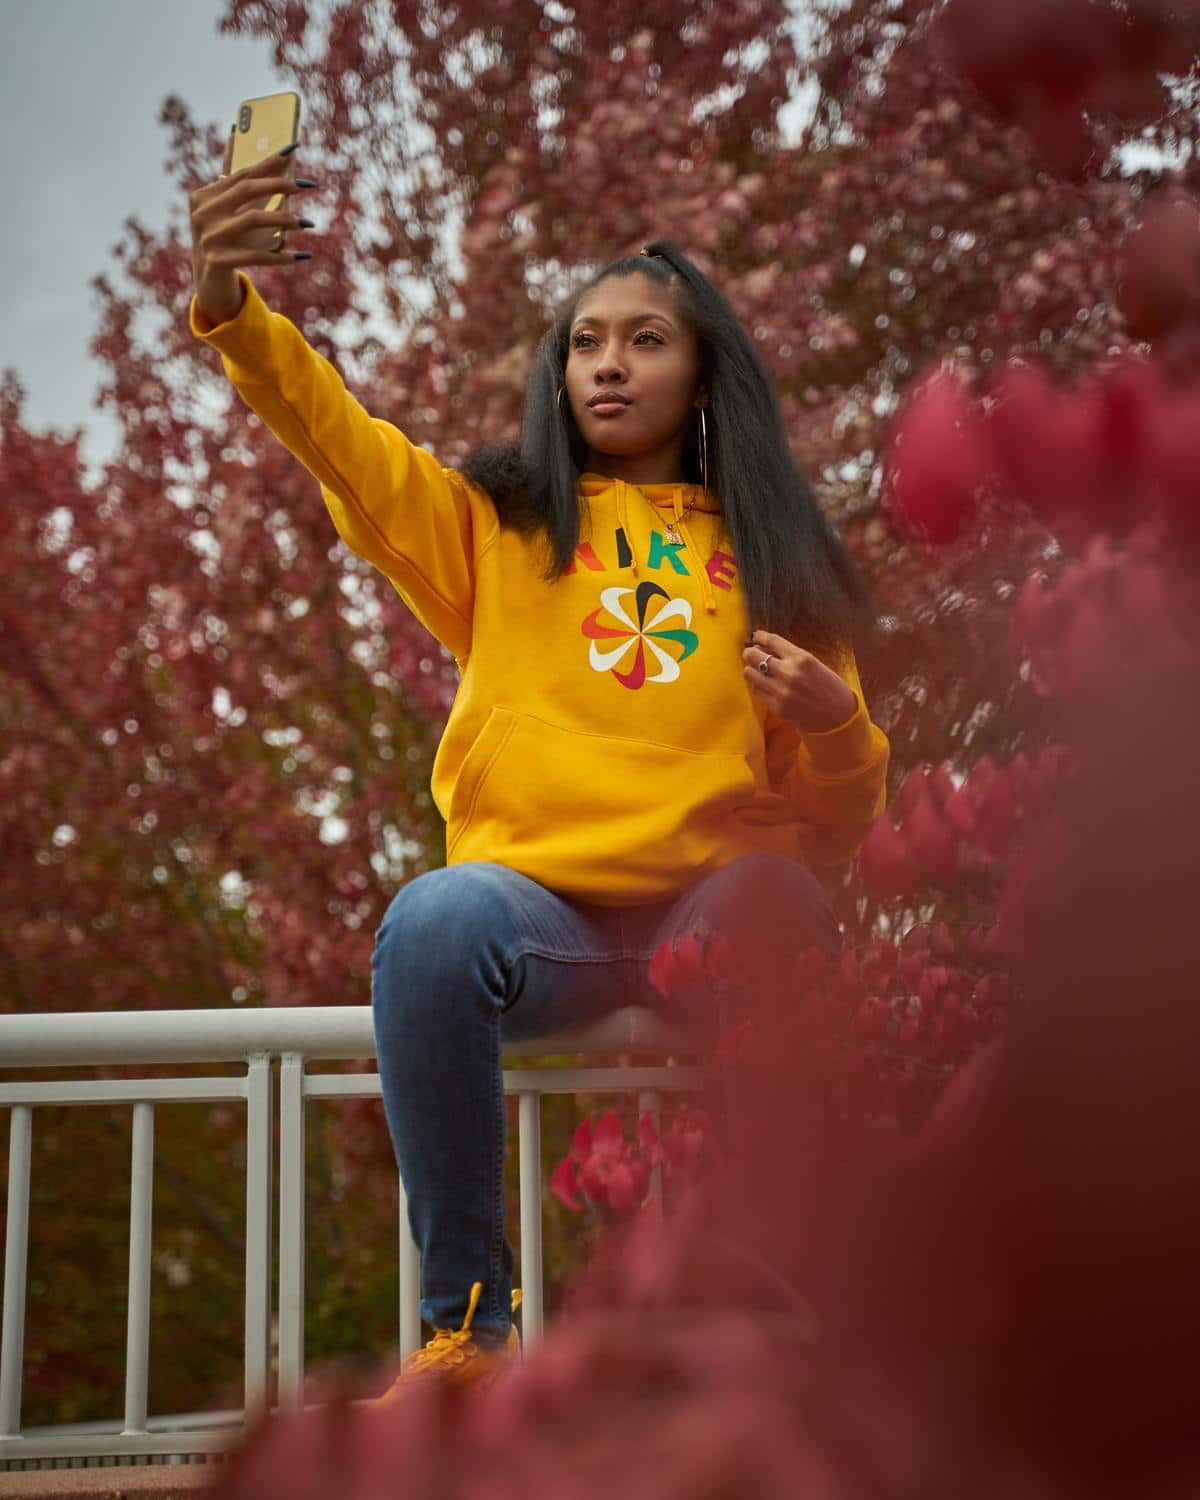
997,819
932,843
937,459
661,969
941,784
581,1144
914,786
608,1138
884,861
718,958
620,1189
563,1184
689,963
640,1173
680,968
592,1177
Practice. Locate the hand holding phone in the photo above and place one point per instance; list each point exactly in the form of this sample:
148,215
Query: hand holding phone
241,219
263,128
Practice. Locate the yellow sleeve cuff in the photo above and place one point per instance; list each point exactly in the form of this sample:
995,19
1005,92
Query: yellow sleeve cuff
244,339
843,748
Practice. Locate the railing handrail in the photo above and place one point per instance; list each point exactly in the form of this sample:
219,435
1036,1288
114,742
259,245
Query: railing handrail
214,1034
275,1101
67,1039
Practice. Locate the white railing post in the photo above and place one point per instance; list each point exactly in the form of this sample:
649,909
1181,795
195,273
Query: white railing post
529,1124
409,1258
291,1231
137,1315
259,1144
16,1250
649,1103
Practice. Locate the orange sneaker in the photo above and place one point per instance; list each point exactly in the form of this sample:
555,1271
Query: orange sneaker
453,1355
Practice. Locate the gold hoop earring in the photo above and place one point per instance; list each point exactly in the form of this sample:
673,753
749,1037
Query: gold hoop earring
558,399
704,449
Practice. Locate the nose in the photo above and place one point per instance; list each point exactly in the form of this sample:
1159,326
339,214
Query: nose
610,370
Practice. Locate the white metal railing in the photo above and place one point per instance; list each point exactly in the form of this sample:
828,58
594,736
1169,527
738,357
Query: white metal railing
256,1038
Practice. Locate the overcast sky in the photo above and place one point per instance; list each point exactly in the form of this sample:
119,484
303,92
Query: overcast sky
81,84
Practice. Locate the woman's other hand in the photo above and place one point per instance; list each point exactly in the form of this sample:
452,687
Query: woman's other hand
797,684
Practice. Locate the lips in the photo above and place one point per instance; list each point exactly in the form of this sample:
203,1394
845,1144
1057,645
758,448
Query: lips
608,398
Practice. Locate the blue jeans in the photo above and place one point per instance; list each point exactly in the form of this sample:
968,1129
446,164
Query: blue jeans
475,955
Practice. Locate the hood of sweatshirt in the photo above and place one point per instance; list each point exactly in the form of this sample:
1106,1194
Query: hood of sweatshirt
673,501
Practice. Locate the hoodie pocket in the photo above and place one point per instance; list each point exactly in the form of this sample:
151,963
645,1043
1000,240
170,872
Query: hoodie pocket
477,763
595,815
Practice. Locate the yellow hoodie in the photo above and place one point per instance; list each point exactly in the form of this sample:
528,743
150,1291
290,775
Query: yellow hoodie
603,740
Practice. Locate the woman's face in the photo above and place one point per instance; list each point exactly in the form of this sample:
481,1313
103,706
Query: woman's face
628,340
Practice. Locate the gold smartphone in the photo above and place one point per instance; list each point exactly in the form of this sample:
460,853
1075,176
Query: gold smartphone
263,127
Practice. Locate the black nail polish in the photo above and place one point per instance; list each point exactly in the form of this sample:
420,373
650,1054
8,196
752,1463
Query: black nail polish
305,224
302,255
287,150
305,182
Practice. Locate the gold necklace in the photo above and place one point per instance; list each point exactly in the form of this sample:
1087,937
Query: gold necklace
673,537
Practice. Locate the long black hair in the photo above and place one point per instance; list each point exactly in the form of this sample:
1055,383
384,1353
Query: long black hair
797,576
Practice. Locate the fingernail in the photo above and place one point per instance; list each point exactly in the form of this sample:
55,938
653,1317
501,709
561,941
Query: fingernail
305,182
302,255
287,150
305,224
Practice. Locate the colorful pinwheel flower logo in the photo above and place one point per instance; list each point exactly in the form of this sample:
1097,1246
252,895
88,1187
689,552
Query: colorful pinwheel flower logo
637,641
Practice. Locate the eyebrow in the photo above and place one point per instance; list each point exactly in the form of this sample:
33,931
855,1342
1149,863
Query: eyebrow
644,317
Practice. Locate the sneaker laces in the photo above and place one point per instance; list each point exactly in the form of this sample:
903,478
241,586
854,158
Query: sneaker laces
451,1346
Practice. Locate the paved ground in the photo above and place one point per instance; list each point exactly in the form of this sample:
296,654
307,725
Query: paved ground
124,1482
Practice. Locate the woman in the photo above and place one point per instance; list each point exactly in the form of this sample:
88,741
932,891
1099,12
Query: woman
622,764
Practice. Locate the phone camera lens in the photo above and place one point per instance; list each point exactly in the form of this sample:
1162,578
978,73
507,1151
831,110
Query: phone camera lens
244,118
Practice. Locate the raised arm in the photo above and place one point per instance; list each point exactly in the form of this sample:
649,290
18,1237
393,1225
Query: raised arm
391,501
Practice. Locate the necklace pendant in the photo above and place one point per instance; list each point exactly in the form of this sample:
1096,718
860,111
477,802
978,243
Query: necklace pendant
673,537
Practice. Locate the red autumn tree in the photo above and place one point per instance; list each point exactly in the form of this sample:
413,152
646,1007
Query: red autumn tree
230,685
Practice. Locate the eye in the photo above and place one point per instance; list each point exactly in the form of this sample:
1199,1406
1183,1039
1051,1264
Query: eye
577,340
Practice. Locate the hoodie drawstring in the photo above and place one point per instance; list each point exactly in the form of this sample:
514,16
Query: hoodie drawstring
623,518
706,589
710,605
